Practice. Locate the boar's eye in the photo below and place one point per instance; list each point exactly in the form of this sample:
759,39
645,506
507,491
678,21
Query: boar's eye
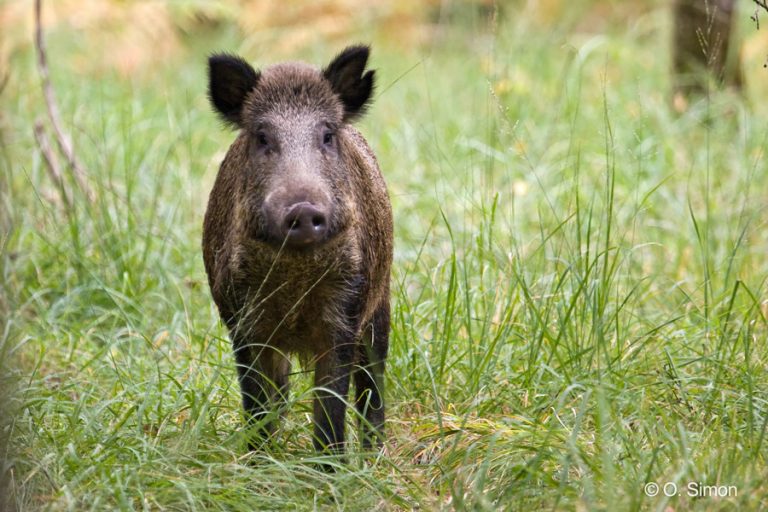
261,139
328,138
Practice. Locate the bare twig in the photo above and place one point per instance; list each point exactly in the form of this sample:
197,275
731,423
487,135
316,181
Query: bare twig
756,16
62,139
51,162
756,19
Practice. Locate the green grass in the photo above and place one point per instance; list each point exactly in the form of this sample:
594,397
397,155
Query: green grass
579,288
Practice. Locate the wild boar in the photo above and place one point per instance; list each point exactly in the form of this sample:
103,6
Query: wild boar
297,240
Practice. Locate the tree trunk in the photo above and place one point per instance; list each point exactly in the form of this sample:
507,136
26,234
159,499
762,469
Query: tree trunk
702,29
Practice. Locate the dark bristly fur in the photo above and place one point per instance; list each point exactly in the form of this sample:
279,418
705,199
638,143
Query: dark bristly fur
297,240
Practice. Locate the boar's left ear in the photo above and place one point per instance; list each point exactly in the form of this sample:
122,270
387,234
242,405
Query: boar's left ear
230,79
348,80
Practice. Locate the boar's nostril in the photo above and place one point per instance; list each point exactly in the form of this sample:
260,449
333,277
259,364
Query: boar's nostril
304,225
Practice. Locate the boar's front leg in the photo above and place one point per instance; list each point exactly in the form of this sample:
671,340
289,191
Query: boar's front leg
332,372
263,374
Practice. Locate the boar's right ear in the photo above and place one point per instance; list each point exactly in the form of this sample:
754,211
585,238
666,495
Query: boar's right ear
230,79
350,81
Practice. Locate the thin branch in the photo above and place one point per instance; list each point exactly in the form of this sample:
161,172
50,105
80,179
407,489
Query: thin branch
756,19
62,139
51,162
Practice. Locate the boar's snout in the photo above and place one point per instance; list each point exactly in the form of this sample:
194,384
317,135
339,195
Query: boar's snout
303,225
300,220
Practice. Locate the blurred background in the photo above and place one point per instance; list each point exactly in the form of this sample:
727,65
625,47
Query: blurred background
133,36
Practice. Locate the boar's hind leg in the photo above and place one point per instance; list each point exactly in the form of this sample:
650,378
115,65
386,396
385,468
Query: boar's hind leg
369,378
263,374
